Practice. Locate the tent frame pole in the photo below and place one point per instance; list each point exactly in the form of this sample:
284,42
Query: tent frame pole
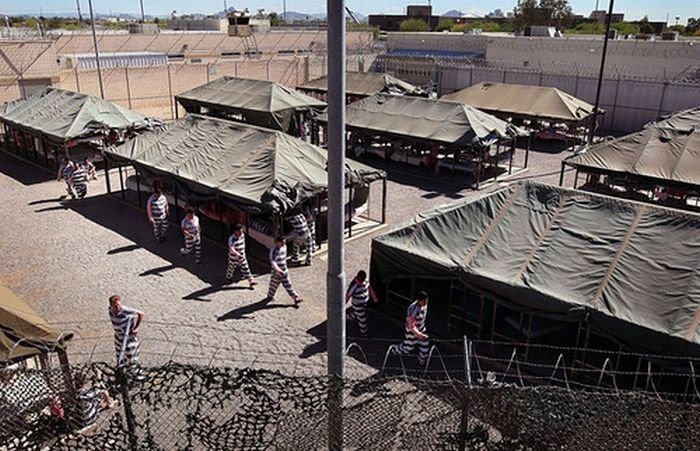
527,149
121,182
561,173
177,204
384,200
138,185
107,181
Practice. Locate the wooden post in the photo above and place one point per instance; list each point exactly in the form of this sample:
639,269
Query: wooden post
65,369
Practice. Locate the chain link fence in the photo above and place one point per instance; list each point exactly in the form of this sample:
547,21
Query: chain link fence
193,397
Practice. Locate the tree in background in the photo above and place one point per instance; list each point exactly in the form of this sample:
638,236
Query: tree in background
414,25
445,24
556,13
645,27
693,26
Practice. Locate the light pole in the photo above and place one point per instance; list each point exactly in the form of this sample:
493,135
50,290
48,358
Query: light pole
335,275
80,15
143,16
97,52
608,19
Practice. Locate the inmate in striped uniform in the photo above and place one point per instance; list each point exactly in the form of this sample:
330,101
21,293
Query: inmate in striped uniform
237,257
193,239
65,171
89,400
79,181
157,208
280,272
415,322
311,222
301,236
123,323
359,292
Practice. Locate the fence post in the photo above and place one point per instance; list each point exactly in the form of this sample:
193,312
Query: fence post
268,69
464,424
128,86
77,80
235,68
128,411
663,97
170,93
208,71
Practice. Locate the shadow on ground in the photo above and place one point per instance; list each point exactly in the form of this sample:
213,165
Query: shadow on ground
247,311
23,172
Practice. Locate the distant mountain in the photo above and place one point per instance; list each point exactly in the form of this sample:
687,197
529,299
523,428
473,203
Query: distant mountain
452,13
293,16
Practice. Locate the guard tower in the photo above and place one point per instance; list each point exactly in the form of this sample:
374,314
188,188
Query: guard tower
239,25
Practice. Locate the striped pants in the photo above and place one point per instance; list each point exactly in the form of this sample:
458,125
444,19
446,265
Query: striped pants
160,227
358,312
130,359
193,242
275,279
80,190
70,190
236,262
410,342
306,241
312,229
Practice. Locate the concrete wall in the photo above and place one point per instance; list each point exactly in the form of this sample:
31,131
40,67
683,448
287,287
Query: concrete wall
652,59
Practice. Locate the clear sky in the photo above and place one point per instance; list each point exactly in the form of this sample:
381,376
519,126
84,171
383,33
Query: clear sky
633,9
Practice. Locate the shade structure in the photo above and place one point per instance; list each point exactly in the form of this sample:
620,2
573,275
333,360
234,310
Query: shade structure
536,102
428,120
23,333
364,84
262,103
631,270
666,152
246,165
62,115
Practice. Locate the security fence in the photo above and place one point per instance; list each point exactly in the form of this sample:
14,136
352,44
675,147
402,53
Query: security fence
629,101
193,397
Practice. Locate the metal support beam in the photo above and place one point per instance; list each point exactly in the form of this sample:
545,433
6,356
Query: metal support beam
335,276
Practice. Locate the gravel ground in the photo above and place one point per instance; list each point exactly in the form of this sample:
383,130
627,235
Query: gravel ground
66,258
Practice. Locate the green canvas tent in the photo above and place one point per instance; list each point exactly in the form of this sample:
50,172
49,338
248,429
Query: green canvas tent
61,115
666,152
533,102
629,270
363,84
258,102
428,120
251,167
23,333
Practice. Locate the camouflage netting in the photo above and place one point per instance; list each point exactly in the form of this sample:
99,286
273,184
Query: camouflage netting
197,407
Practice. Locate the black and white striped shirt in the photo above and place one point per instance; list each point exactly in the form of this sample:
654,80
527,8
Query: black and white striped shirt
89,400
238,243
67,170
298,222
279,256
418,314
191,226
125,319
359,291
79,176
159,206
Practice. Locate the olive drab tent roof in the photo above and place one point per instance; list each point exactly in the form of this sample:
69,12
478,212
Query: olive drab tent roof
524,100
264,103
447,123
666,151
23,333
631,269
364,84
248,165
64,115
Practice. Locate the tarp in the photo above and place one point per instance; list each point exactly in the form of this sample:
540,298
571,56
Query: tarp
666,151
524,100
23,333
436,121
364,84
64,115
250,165
264,103
631,269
